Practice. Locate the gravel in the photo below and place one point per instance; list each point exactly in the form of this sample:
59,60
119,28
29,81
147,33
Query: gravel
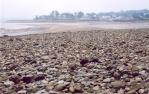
90,62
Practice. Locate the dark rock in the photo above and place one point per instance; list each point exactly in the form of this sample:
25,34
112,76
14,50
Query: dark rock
39,77
84,62
78,88
41,68
27,79
72,67
134,74
27,59
95,60
94,48
147,36
2,49
15,79
12,66
117,75
109,67
139,51
18,88
33,62
64,45
54,57
35,44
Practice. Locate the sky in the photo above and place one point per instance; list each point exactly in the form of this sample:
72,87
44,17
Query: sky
27,9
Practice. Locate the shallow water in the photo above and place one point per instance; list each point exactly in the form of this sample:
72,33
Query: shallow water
14,25
13,29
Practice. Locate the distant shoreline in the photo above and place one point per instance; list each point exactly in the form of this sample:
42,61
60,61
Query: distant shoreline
33,21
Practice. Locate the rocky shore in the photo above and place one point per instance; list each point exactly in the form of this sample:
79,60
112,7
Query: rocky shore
91,62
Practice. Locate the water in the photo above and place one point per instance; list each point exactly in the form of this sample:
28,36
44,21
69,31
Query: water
13,29
14,25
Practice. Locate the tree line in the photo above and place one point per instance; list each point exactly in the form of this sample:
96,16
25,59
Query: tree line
130,15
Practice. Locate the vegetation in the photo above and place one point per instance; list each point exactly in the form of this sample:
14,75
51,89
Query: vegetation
130,15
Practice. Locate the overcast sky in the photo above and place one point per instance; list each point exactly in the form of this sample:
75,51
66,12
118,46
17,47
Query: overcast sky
27,9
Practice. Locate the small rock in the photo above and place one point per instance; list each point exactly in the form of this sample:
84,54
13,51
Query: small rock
117,75
127,88
39,77
54,57
85,83
65,63
96,88
102,84
33,62
121,91
143,73
117,84
16,79
107,80
138,79
45,57
61,82
95,60
41,92
8,83
3,78
22,92
64,77
61,87
44,81
83,51
84,62
52,69
72,89
134,68
50,86
78,88
121,68
131,91
32,88
27,79
72,66
141,91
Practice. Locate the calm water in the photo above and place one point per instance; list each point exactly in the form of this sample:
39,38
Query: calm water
13,29
14,25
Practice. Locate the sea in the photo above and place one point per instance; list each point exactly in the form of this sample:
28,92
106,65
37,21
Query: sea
23,28
13,29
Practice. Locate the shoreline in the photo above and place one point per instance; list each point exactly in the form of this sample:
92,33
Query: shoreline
39,28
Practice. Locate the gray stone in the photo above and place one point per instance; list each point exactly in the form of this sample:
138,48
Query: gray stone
96,88
9,83
117,84
141,91
22,92
61,86
107,80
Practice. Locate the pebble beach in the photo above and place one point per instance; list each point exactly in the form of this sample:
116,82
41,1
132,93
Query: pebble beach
90,62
